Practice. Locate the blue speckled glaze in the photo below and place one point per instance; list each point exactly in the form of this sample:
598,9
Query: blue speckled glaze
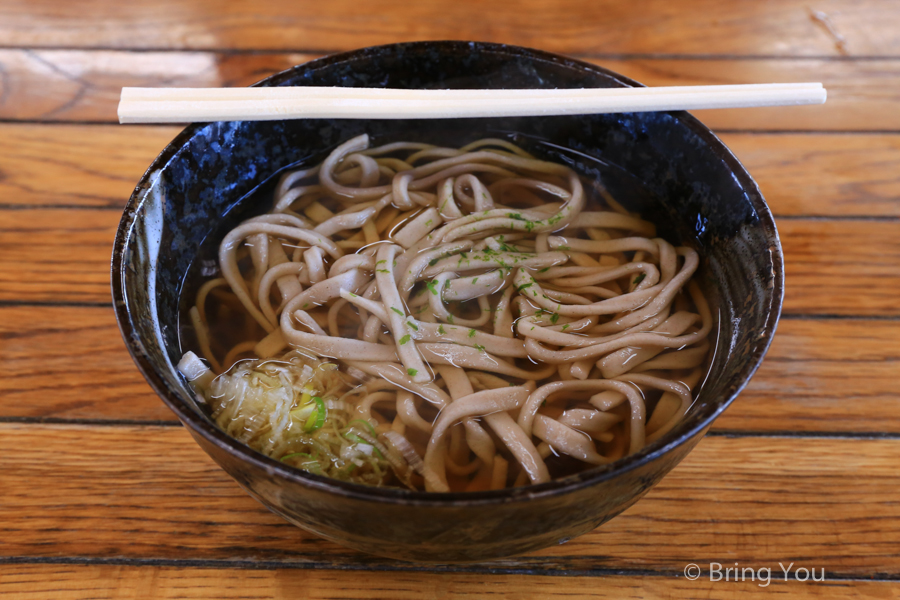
666,164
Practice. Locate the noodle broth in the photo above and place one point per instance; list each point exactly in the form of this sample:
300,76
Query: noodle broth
563,334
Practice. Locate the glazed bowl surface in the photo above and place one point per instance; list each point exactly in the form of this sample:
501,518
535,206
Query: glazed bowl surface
665,164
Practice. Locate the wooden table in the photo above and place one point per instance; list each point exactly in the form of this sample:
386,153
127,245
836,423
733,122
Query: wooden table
103,494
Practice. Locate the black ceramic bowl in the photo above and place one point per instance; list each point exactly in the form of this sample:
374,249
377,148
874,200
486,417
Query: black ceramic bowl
665,163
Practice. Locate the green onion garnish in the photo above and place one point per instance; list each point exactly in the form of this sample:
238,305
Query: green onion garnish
365,424
317,418
355,438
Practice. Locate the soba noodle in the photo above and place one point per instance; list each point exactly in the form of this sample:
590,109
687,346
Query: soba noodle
447,319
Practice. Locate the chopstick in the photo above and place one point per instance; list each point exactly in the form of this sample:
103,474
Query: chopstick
182,105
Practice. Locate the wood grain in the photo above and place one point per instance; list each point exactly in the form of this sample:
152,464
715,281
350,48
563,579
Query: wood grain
861,94
85,166
828,175
70,363
605,26
119,510
841,267
800,175
834,375
57,255
71,582
833,267
78,85
59,362
104,492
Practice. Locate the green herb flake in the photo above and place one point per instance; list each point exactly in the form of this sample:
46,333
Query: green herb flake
479,347
554,318
441,330
524,286
404,339
398,311
413,325
474,280
411,372
432,285
379,262
471,333
383,271
639,278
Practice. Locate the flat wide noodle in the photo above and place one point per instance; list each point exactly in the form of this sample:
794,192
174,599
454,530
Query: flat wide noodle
448,319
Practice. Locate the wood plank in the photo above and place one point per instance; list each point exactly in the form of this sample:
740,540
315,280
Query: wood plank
75,85
606,26
84,165
832,375
827,175
71,582
82,85
62,255
58,255
841,267
861,94
800,175
70,363
823,503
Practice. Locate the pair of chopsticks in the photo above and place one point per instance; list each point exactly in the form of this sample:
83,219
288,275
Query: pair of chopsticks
182,105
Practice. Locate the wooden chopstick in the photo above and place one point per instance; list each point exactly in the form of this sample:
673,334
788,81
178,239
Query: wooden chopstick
182,105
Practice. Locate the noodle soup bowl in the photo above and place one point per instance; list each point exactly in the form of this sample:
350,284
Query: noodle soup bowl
666,165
